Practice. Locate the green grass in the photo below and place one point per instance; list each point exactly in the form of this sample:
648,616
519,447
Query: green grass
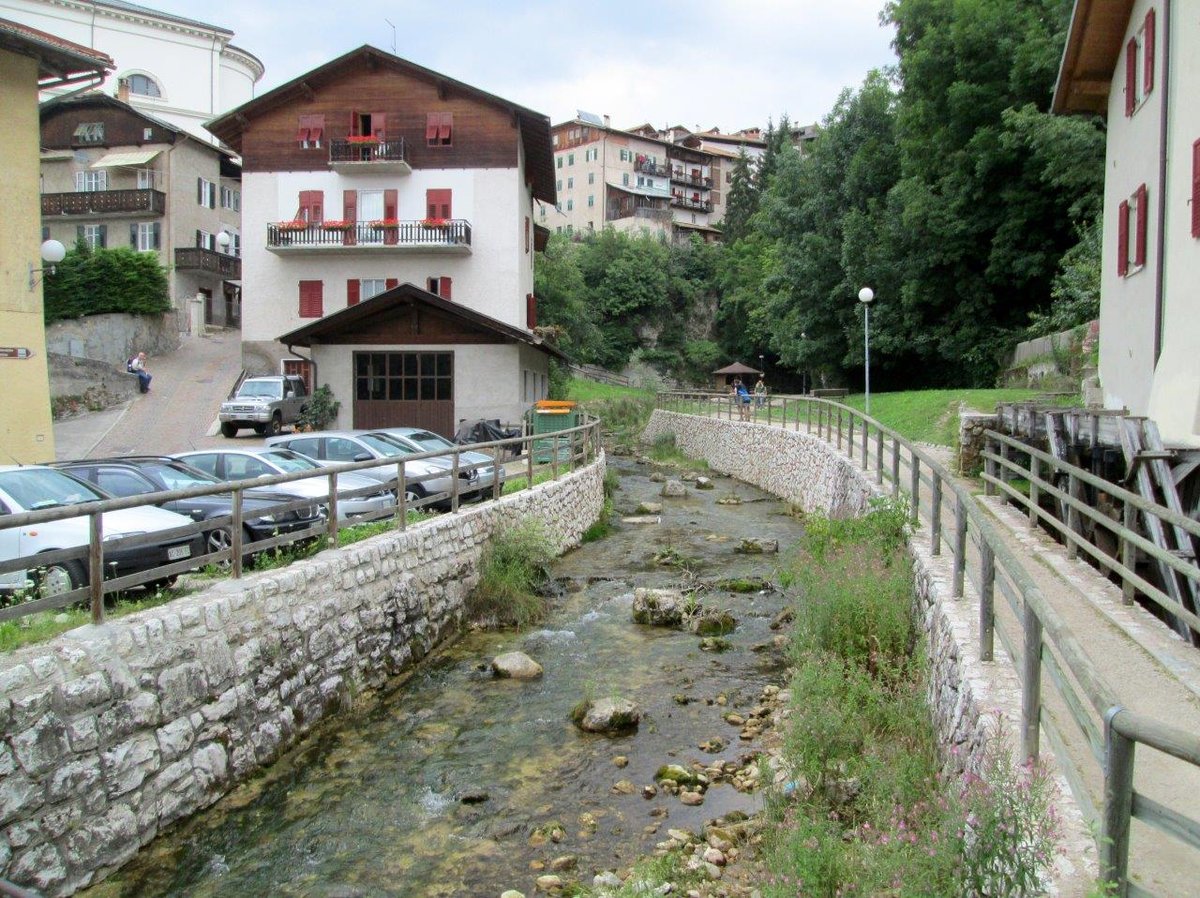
514,565
931,416
582,390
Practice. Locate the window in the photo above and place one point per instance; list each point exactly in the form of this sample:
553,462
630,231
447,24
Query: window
312,206
591,200
368,287
147,134
570,158
542,212
440,286
1133,215
231,199
439,129
89,132
591,177
554,140
558,185
143,86
94,235
625,178
1139,64
438,204
570,205
592,155
235,243
147,178
145,237
624,154
206,193
91,180
558,161
312,299
205,240
404,376
570,183
310,132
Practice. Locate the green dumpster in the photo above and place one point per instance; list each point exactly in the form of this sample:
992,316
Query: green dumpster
549,416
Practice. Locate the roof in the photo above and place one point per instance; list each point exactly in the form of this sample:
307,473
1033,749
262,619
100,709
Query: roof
535,127
407,296
118,160
658,194
133,8
59,61
1094,42
737,368
687,225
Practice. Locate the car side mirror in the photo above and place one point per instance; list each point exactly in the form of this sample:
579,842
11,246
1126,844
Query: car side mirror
363,456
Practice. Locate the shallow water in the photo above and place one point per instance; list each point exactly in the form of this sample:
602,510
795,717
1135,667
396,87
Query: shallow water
370,805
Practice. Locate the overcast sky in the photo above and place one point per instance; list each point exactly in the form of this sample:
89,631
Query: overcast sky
730,63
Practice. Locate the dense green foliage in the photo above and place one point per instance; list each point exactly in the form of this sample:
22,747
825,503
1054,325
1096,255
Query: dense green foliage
93,282
512,570
944,184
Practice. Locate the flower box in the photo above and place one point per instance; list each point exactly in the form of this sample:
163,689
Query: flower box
295,225
363,140
336,225
386,223
434,222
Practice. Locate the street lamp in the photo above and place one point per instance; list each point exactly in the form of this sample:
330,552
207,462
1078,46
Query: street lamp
804,378
223,241
53,252
866,296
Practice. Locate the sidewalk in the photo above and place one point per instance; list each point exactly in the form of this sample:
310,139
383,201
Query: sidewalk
179,412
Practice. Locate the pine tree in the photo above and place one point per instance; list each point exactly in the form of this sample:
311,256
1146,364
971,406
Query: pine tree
742,200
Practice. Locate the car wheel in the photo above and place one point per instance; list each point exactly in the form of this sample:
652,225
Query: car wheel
276,425
260,429
220,538
228,429
59,577
413,493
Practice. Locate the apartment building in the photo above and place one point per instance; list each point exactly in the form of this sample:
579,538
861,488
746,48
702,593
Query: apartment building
389,238
177,69
111,175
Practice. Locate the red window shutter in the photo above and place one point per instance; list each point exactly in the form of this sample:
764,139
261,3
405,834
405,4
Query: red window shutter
1143,218
391,283
379,124
438,203
444,288
391,204
311,205
302,130
1123,239
1196,189
1130,76
311,299
530,311
316,127
353,291
355,123
1148,53
444,128
349,213
432,124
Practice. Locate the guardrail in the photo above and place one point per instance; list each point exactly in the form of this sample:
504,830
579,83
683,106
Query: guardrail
553,454
1047,645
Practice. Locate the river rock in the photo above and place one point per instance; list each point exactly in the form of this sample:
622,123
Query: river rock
711,622
658,477
729,500
565,862
610,716
753,545
713,856
703,483
515,666
606,880
677,773
641,519
650,508
674,489
621,761
549,883
512,893
689,476
691,798
783,618
623,787
473,796
658,607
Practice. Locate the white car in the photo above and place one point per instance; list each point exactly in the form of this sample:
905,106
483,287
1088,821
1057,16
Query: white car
34,488
420,440
251,463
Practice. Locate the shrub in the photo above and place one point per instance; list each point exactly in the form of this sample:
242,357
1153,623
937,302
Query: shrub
94,282
320,411
513,568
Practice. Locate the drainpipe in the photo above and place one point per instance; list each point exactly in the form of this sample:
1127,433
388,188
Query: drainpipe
311,361
1160,249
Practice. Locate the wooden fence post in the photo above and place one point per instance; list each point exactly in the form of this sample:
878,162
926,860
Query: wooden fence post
331,526
850,437
987,594
866,434
1035,472
96,565
1128,553
936,514
401,497
1118,806
915,485
839,432
1074,518
895,467
879,456
960,545
989,468
1031,684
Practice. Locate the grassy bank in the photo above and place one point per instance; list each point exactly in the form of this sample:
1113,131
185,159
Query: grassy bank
931,416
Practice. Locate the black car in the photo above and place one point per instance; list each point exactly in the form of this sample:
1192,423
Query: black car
139,474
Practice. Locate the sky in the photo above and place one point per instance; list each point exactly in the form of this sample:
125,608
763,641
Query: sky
726,63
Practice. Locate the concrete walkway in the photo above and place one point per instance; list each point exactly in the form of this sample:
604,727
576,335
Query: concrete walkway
179,412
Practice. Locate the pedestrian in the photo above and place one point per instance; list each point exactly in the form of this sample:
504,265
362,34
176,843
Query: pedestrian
743,399
760,393
137,365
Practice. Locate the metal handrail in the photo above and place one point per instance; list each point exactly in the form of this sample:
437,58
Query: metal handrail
1041,626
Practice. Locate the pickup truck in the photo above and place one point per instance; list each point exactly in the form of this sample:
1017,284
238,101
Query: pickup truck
265,403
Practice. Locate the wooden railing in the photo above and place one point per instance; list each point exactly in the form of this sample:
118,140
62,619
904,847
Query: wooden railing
549,454
403,234
688,203
104,202
194,258
646,167
686,177
342,150
1046,644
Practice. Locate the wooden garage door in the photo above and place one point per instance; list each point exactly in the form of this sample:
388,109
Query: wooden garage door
404,389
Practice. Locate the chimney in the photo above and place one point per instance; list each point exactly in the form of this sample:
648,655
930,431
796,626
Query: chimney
607,122
123,90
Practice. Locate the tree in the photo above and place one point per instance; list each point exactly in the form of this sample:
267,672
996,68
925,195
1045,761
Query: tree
742,200
94,282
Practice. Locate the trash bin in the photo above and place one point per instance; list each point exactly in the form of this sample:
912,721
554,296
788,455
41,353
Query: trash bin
547,417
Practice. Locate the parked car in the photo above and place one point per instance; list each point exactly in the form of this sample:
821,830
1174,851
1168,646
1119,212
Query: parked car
158,473
251,463
265,403
339,447
419,440
36,487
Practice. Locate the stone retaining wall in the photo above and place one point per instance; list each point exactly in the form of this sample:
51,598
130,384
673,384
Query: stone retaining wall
114,337
110,734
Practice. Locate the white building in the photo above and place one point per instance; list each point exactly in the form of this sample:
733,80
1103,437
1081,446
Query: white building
1135,62
396,244
179,70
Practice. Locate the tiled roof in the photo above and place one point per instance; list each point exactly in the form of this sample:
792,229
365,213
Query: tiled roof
59,58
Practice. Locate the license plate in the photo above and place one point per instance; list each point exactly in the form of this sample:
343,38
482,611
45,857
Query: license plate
174,553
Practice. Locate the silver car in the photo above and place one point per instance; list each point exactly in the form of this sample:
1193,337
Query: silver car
333,447
251,463
420,440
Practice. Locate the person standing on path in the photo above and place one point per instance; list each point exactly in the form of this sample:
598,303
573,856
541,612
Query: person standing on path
760,393
137,365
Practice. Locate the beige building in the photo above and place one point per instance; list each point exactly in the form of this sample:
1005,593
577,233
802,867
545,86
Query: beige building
1135,62
30,60
114,176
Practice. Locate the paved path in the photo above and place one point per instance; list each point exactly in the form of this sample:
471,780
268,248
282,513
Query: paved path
179,412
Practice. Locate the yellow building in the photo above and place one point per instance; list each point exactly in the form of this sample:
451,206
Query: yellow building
30,61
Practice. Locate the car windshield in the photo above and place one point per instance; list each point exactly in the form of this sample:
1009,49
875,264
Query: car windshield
384,446
37,488
177,477
397,445
268,389
289,462
430,441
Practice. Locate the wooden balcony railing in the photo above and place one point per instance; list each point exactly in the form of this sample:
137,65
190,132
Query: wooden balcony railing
382,151
684,177
646,167
454,233
105,202
193,258
687,202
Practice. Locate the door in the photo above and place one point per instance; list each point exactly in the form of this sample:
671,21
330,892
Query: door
370,208
208,304
301,368
404,389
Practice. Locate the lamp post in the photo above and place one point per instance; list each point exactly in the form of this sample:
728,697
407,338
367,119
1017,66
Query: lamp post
53,252
866,295
804,378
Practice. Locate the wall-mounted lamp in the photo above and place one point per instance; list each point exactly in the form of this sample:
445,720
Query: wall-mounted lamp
52,252
223,240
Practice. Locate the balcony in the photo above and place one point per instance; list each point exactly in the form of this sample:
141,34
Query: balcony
193,258
687,202
646,167
385,156
683,177
452,236
91,203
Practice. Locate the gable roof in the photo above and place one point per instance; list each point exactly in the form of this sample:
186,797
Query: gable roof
59,61
737,368
406,296
535,127
1094,42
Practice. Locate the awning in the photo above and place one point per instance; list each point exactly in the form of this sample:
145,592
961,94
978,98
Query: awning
658,194
115,160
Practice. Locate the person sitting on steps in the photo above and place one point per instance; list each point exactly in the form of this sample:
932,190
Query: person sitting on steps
137,365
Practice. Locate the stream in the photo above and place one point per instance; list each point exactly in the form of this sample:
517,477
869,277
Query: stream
371,804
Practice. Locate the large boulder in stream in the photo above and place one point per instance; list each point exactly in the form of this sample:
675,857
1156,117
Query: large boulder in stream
674,489
753,545
658,607
610,716
515,666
